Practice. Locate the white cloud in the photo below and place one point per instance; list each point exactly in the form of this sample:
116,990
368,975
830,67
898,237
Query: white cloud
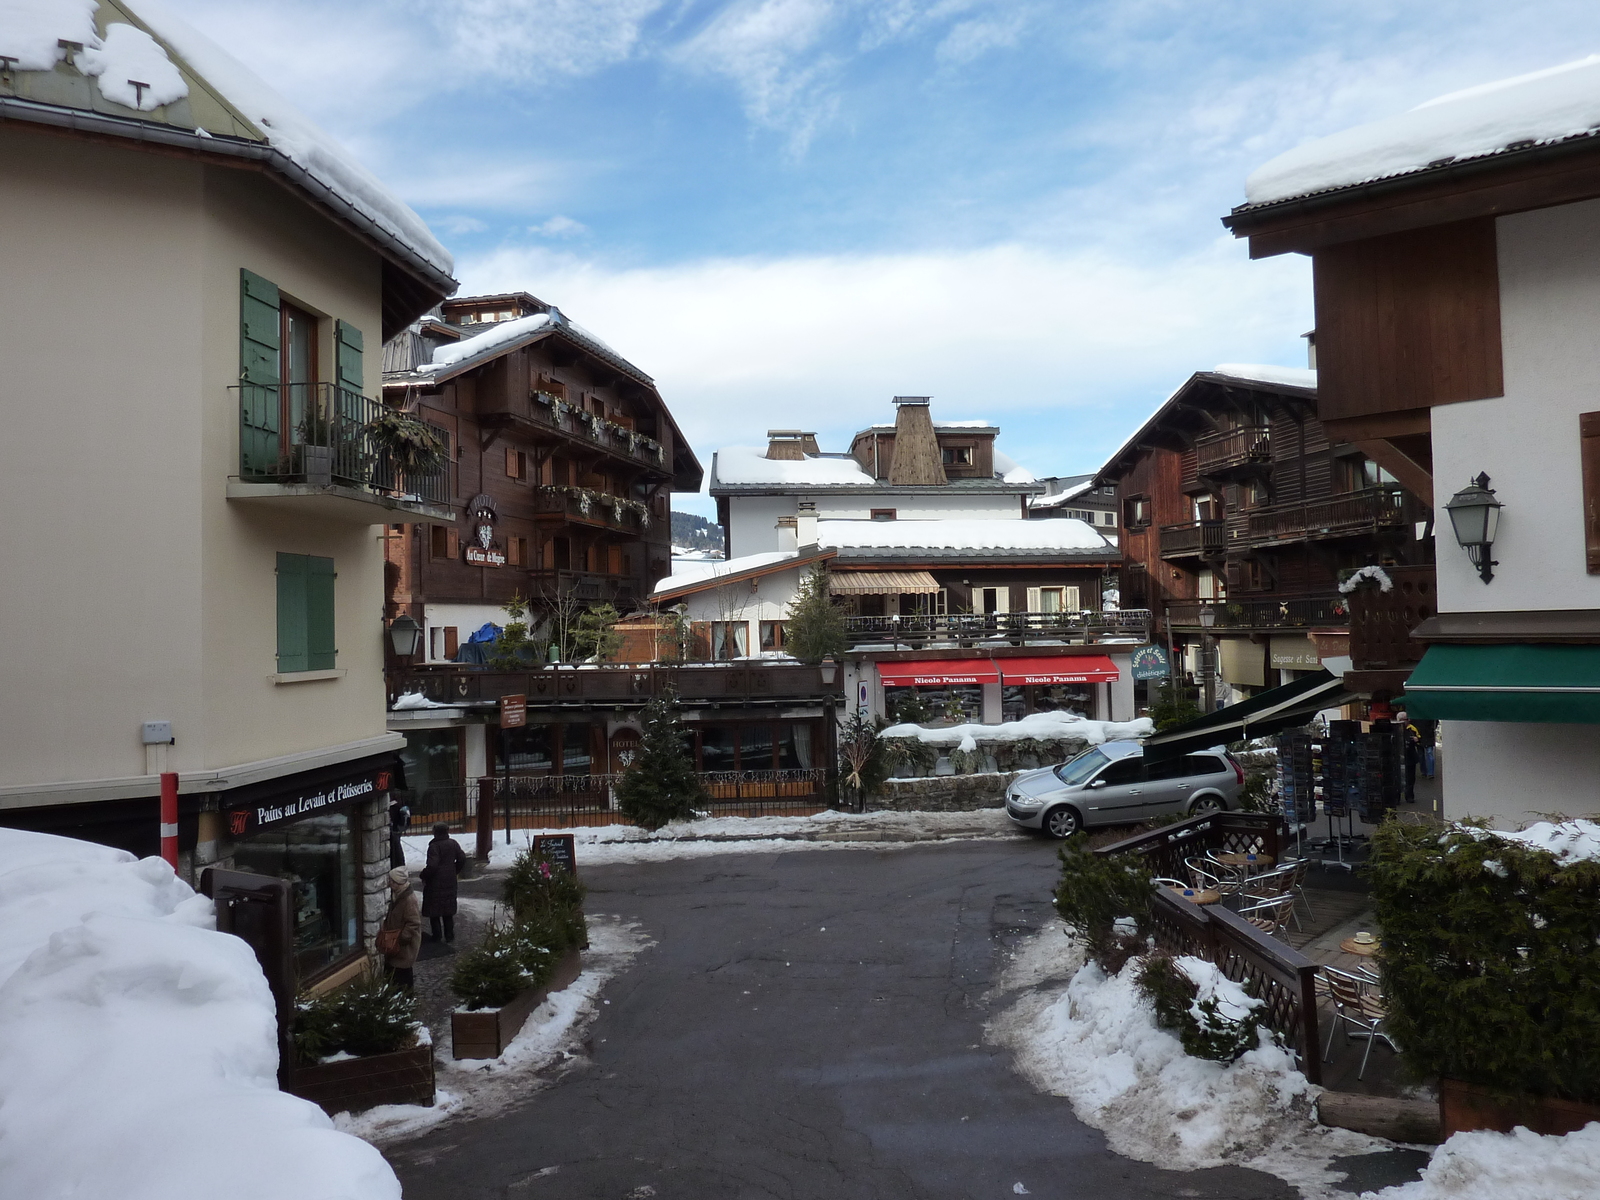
1079,347
539,39
968,40
559,226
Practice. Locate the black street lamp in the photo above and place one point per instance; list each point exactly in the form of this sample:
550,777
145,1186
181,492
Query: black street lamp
1475,517
405,635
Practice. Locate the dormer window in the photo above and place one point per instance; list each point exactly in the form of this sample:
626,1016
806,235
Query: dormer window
956,456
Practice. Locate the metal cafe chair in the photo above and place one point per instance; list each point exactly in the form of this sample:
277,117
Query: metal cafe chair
1204,876
1270,885
1269,915
1358,1003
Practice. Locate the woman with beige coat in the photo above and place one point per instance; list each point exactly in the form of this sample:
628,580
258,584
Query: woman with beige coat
400,935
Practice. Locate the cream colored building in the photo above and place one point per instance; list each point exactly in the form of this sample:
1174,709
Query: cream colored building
197,284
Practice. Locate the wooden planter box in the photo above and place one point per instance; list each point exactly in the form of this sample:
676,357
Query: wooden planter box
357,1084
1464,1106
487,1032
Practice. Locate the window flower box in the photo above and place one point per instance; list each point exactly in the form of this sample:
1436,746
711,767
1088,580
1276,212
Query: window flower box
486,1032
357,1084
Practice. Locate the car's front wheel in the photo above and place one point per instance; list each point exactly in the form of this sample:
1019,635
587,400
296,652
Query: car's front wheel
1209,803
1061,822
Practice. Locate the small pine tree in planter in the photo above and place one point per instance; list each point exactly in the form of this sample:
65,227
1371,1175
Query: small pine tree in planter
814,628
379,1052
660,784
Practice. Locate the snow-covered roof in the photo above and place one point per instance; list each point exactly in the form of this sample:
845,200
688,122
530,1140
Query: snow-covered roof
750,465
500,336
965,534
1060,498
1011,471
1300,377
690,573
1510,114
485,344
196,87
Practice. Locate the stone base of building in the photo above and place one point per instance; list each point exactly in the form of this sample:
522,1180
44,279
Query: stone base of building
944,793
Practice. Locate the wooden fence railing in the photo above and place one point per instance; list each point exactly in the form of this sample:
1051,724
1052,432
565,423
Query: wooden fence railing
1268,969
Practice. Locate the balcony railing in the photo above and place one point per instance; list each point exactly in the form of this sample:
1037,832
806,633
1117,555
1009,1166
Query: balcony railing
1267,612
1017,628
596,508
619,683
1219,452
556,413
1192,538
581,585
1354,513
321,433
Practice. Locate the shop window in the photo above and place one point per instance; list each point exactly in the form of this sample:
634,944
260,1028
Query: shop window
1136,512
772,635
755,747
730,639
577,757
718,747
432,759
305,613
527,750
1013,702
795,746
319,857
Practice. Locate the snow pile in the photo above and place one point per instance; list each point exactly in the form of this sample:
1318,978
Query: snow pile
1095,1041
1377,574
31,29
1570,841
1046,726
501,333
748,465
127,54
1299,377
138,1046
1234,1004
1509,1166
961,533
1010,472
407,701
711,569
1541,107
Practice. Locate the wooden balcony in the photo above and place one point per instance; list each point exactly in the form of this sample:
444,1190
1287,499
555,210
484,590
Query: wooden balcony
621,591
1339,516
1222,453
1266,612
1193,539
1381,622
586,506
921,630
629,684
539,411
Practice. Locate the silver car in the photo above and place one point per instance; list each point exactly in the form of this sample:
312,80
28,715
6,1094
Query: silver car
1114,785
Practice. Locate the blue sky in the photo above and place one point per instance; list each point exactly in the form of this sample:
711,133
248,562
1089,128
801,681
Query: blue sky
788,211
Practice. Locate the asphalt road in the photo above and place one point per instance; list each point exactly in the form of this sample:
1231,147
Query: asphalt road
808,1025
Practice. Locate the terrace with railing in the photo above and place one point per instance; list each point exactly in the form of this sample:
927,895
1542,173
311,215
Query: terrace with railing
622,684
921,630
1272,612
1193,539
593,507
1217,453
1357,512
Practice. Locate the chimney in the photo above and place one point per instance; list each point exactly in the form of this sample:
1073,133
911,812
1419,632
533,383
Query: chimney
916,446
805,525
787,541
1311,348
790,445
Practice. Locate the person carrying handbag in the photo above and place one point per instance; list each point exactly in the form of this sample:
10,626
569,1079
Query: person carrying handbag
399,937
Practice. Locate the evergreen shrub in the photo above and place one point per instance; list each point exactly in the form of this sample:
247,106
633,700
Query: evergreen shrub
1205,1030
368,1015
814,625
660,784
1490,959
513,955
1106,900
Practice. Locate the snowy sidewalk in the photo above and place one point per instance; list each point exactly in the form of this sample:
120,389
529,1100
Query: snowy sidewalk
601,844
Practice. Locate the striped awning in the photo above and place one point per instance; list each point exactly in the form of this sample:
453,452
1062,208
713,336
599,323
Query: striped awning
881,583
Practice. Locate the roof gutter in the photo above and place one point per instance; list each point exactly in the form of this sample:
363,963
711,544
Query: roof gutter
238,150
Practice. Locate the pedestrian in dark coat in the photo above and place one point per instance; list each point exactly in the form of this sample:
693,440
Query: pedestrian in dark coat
399,820
446,861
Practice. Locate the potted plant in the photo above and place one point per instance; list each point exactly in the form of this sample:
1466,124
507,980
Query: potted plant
410,445
316,449
359,1046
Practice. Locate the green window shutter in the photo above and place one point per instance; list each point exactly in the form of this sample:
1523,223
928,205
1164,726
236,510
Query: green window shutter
348,338
320,645
260,442
293,639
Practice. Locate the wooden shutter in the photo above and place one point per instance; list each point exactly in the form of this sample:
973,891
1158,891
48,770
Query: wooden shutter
700,641
321,650
452,543
1071,600
1589,441
1035,601
512,471
451,642
347,342
260,337
292,637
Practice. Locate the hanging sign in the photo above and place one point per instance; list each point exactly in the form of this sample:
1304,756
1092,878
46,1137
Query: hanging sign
513,712
1150,662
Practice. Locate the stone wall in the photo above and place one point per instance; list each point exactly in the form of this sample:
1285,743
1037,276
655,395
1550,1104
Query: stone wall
372,820
943,793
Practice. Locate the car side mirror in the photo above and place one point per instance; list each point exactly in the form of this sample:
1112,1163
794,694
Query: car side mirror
1098,783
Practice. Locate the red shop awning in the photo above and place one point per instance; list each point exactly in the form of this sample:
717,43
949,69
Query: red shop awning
1064,668
939,673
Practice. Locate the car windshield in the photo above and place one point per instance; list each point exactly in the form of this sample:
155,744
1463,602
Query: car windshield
1080,768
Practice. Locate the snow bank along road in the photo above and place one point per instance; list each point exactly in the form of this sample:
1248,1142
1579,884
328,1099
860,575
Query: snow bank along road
806,1025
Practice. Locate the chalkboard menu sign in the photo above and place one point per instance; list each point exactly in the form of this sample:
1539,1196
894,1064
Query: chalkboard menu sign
560,848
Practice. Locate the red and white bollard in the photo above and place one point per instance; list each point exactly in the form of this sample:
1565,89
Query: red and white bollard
169,818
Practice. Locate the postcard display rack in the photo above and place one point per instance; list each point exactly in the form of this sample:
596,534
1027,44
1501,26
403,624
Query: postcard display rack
1347,773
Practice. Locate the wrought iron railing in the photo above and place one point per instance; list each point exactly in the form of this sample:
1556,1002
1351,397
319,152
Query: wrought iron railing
627,684
1193,537
322,433
1237,447
922,629
1352,513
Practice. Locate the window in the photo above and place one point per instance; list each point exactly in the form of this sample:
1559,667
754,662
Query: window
443,541
444,642
1589,456
320,857
956,456
1252,576
517,552
730,639
305,613
772,635
516,464
525,750
1124,770
884,514
1110,518
1054,599
1136,512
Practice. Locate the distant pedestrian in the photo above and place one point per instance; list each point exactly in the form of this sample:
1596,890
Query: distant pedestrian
1428,740
1409,733
399,822
400,936
446,861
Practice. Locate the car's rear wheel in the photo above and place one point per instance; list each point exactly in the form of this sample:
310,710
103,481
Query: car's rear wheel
1061,822
1209,803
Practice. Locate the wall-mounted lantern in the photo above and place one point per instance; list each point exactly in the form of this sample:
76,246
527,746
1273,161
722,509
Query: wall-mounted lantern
405,635
1475,517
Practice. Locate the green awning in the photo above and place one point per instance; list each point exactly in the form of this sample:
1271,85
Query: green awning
1558,684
